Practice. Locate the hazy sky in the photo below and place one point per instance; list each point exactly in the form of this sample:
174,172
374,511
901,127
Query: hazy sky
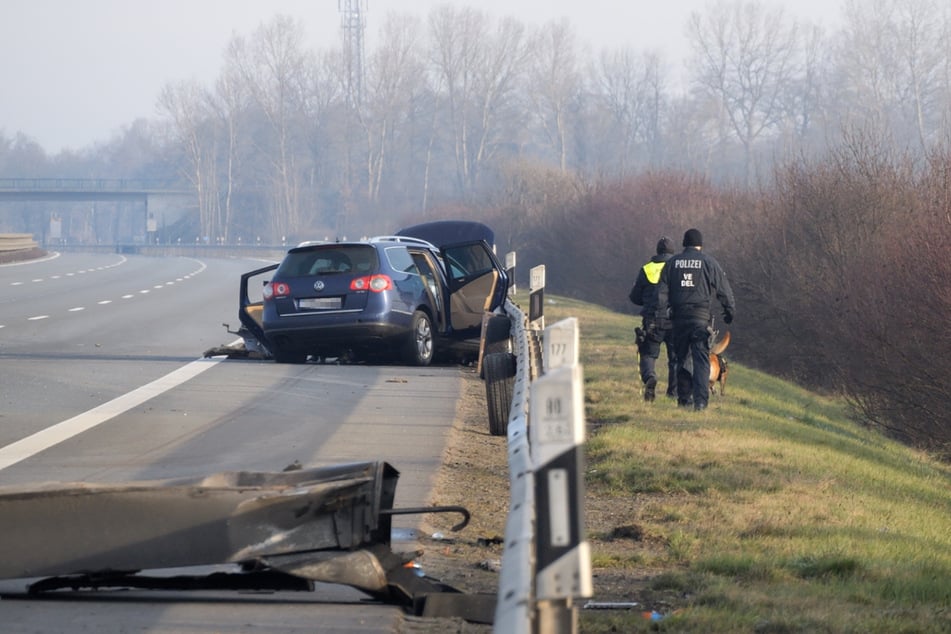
75,72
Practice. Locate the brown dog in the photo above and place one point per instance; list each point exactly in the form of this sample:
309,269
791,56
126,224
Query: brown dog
718,364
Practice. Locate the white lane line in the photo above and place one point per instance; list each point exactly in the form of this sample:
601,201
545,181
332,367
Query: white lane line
37,317
77,309
60,432
104,302
51,256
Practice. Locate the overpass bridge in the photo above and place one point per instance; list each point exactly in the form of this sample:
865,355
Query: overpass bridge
81,189
74,190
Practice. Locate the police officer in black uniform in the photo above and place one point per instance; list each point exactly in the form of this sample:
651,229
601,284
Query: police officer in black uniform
688,285
654,330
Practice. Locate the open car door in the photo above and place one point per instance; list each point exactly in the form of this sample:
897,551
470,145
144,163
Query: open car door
477,285
250,313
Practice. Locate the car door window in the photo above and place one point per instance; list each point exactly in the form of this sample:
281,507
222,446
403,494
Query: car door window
468,261
427,270
473,285
400,260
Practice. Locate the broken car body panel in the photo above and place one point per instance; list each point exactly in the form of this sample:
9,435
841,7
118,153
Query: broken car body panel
77,528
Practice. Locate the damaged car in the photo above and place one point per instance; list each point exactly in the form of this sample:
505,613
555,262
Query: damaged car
415,295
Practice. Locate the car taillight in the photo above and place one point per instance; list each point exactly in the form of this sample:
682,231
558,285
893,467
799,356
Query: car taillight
375,283
276,290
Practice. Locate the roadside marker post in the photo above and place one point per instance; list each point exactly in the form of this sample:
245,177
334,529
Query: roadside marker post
536,297
510,271
557,432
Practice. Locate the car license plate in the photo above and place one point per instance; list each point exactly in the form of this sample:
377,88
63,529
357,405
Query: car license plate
320,303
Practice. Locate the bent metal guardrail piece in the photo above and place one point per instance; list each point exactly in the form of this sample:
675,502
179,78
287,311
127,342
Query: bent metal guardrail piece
68,528
285,531
17,242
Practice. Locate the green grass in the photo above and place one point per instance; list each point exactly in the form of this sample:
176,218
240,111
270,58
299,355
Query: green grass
772,511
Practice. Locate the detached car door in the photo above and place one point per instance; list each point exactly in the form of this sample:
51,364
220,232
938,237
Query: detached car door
476,284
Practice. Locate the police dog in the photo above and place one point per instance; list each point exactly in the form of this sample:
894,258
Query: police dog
718,364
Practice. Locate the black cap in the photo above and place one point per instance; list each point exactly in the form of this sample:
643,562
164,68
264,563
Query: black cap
665,245
693,238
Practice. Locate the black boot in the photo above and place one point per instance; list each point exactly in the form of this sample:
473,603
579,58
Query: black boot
649,386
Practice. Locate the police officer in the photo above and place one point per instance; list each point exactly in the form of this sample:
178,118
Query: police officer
654,330
688,285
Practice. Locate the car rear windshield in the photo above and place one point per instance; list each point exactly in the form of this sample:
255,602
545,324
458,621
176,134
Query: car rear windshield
328,260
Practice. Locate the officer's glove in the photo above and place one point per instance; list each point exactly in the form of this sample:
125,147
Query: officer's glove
727,317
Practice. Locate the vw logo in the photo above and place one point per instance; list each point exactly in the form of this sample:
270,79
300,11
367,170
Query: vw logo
319,285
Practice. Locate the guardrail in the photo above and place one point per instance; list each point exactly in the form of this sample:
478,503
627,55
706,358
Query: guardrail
17,242
546,562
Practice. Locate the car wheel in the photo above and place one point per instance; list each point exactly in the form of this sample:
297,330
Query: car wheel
498,330
419,346
499,369
289,356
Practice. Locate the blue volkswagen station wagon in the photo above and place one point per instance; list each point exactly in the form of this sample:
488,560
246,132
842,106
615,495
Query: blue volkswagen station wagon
411,296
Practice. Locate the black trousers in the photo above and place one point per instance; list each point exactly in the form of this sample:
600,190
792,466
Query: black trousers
649,351
692,349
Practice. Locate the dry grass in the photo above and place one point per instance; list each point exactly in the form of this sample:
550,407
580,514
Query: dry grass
770,512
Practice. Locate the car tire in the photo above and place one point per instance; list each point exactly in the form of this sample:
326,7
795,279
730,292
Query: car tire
499,369
289,356
498,331
418,349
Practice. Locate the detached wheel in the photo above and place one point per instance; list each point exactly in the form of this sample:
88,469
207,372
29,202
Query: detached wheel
499,369
418,349
498,332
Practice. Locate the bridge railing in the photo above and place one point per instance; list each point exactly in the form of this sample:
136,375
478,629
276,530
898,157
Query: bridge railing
89,184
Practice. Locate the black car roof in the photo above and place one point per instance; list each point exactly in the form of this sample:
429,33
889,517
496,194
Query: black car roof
445,232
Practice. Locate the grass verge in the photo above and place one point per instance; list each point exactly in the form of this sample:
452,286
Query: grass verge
771,511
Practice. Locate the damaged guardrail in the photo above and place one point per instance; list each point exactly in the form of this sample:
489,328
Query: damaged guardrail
283,531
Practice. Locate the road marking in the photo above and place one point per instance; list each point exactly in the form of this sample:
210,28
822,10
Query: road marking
77,309
37,317
60,432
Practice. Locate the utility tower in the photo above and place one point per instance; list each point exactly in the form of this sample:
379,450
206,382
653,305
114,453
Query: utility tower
353,23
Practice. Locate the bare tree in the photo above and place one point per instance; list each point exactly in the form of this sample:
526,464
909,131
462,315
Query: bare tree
630,89
743,57
891,63
554,83
393,81
274,66
457,38
186,104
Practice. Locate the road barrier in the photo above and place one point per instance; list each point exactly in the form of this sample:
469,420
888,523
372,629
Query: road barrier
16,242
546,563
